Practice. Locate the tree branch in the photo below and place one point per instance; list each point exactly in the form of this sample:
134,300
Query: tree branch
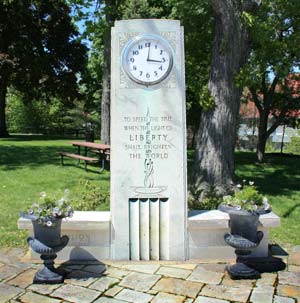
256,99
270,94
278,121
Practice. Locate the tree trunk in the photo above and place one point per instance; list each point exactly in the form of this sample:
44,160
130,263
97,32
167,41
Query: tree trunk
282,139
262,137
3,93
216,136
105,104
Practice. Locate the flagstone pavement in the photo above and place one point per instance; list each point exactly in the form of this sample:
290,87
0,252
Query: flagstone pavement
155,282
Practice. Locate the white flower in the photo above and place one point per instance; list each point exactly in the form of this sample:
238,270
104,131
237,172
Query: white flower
266,204
239,186
30,211
49,223
43,194
238,207
40,210
67,194
251,183
61,201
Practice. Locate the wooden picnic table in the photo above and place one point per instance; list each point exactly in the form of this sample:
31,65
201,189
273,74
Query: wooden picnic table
103,151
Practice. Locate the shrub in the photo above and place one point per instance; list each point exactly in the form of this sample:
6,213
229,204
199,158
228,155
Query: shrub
90,196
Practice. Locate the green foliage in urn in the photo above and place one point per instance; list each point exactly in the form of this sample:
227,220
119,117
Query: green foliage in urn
246,197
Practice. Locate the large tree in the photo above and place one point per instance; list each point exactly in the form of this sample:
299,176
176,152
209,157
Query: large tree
275,54
214,159
40,54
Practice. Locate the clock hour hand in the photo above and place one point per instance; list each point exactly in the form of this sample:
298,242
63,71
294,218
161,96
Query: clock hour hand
150,60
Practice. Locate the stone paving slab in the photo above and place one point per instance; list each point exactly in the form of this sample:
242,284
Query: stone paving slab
189,266
279,299
295,268
174,272
43,289
295,256
9,292
201,299
144,268
227,281
288,291
139,281
236,294
167,298
76,294
104,283
290,278
8,271
24,279
81,278
262,294
115,282
203,275
113,291
133,296
116,272
31,297
108,300
178,287
267,279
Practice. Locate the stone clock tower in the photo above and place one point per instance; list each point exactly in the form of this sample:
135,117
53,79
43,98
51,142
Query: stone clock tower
148,141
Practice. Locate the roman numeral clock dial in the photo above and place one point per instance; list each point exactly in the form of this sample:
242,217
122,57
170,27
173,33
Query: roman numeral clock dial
147,59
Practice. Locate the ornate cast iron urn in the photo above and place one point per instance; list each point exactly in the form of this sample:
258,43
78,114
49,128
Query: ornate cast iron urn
47,241
244,237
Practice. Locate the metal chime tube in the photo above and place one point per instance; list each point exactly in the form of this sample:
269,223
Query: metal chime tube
144,229
164,231
134,229
154,229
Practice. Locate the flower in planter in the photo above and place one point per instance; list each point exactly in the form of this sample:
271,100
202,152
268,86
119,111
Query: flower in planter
246,197
48,209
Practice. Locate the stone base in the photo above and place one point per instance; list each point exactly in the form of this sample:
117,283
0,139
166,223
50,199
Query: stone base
240,271
47,276
91,236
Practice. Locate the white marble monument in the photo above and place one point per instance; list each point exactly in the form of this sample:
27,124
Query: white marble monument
148,219
148,134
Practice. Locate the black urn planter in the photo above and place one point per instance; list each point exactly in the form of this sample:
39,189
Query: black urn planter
47,241
244,237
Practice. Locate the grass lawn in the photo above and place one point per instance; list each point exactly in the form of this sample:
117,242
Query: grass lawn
279,180
30,164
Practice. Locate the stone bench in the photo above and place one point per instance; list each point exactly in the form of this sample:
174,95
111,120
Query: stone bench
206,231
91,235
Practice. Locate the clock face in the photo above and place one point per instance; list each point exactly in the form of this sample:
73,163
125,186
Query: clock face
147,59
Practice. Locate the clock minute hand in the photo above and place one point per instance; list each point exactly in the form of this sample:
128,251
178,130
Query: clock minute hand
148,51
